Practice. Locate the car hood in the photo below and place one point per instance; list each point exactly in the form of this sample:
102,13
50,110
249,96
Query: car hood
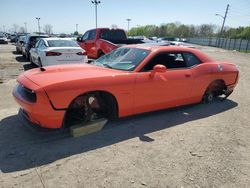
64,73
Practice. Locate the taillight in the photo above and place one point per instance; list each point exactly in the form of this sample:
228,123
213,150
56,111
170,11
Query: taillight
53,53
81,53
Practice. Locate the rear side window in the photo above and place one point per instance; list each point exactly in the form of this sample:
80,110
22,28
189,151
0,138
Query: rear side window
190,59
113,34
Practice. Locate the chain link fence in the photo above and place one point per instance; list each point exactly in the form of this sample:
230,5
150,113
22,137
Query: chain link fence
241,45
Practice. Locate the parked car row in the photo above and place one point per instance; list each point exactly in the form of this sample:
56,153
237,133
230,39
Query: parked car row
43,51
51,51
3,39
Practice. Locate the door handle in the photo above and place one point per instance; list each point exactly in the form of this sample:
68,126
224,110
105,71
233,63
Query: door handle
187,75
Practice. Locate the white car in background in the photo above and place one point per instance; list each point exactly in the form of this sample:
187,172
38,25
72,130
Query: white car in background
182,44
54,51
3,39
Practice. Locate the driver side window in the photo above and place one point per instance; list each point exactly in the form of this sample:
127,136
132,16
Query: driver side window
170,60
85,36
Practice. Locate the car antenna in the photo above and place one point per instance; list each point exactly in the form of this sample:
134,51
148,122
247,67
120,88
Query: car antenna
42,68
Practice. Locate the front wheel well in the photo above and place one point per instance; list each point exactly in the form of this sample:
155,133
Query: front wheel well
90,106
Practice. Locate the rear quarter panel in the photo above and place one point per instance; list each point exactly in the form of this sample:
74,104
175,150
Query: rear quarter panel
206,73
226,71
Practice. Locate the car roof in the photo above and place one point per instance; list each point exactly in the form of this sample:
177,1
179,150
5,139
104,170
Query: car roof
55,38
169,48
37,35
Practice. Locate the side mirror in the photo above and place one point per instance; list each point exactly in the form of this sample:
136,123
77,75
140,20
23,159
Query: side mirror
159,68
79,39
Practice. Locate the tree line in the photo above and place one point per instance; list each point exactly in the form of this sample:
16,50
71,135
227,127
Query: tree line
185,31
47,28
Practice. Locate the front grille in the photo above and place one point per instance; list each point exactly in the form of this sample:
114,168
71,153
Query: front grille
27,94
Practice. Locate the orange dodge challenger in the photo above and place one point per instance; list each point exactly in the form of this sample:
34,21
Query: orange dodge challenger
130,80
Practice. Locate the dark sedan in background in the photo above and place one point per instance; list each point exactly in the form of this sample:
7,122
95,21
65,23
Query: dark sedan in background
20,43
30,42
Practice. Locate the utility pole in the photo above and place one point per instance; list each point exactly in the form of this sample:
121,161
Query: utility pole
25,24
95,2
128,20
38,19
224,19
77,28
223,23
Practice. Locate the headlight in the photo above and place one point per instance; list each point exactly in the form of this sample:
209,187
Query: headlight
27,94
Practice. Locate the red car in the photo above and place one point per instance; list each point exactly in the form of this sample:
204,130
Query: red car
130,80
100,41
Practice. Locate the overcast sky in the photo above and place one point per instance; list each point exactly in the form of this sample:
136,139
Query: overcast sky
63,15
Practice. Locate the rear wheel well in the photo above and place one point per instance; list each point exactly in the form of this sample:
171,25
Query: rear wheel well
214,89
217,87
91,106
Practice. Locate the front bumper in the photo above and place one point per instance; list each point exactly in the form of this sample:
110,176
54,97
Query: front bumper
32,126
40,112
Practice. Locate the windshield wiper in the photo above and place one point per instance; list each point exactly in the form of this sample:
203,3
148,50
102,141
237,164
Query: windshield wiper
107,65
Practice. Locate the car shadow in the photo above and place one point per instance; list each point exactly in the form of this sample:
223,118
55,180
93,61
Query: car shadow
23,148
15,53
29,66
21,59
26,64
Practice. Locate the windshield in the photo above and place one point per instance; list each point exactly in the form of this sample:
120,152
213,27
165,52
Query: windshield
123,59
62,43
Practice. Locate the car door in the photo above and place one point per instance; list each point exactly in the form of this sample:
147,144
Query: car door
161,90
90,44
41,51
35,51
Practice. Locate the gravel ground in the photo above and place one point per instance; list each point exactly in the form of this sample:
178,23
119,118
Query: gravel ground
194,146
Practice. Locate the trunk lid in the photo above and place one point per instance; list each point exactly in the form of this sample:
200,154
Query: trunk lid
67,53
